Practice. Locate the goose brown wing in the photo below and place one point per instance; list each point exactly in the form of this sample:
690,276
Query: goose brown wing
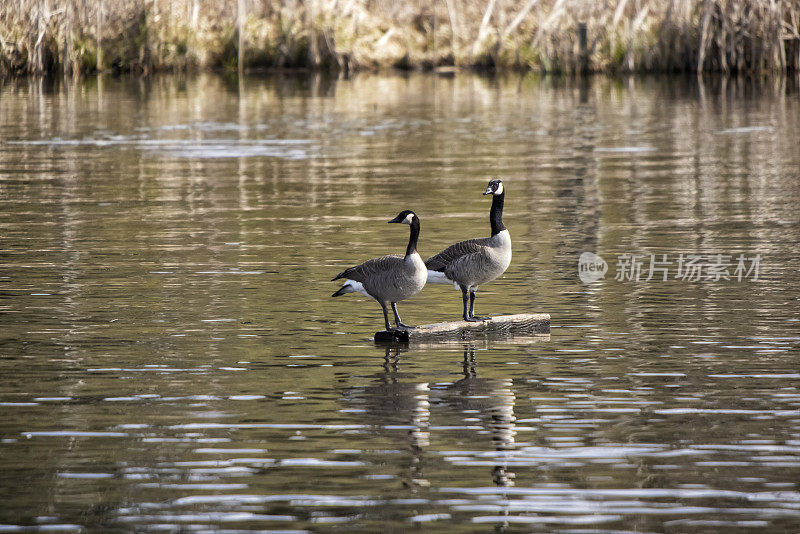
440,261
465,268
371,268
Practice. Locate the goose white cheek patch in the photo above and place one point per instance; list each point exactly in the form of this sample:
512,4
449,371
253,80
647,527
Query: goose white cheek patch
408,218
499,189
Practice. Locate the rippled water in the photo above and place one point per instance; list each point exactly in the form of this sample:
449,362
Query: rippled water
171,359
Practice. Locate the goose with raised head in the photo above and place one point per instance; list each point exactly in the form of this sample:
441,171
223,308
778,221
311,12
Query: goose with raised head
470,263
389,279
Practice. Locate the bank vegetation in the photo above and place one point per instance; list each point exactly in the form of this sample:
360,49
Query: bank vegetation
85,36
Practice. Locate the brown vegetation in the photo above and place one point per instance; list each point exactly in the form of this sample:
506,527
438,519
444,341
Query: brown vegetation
81,36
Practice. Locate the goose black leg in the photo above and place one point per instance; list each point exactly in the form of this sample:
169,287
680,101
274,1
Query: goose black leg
397,317
472,307
386,318
466,314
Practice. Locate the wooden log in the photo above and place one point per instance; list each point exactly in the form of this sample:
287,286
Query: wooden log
498,326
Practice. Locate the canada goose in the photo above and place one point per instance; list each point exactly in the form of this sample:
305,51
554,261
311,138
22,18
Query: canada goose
389,279
471,263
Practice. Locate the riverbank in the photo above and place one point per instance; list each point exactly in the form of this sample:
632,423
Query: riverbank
555,36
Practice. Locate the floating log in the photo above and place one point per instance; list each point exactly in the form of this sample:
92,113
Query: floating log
498,326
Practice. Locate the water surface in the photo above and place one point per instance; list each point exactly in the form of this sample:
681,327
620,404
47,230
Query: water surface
171,359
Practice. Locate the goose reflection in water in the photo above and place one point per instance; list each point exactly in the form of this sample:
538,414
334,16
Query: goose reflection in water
393,404
394,401
492,401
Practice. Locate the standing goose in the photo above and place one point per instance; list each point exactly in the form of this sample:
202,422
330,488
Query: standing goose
389,279
471,263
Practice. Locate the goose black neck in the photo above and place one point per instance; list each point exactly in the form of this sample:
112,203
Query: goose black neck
496,213
414,235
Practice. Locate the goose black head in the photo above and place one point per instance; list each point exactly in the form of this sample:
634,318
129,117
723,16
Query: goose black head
495,188
404,217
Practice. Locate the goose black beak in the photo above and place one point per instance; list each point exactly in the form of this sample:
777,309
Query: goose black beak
488,191
395,220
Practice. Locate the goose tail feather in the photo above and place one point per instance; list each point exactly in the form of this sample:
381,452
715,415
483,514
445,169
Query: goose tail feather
342,291
351,286
438,277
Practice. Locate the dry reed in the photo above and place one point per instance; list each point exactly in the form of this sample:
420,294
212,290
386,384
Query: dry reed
83,36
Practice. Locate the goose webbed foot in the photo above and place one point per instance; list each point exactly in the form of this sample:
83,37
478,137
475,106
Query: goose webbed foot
471,312
398,322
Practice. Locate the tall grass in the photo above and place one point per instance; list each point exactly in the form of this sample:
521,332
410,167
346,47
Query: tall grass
83,36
